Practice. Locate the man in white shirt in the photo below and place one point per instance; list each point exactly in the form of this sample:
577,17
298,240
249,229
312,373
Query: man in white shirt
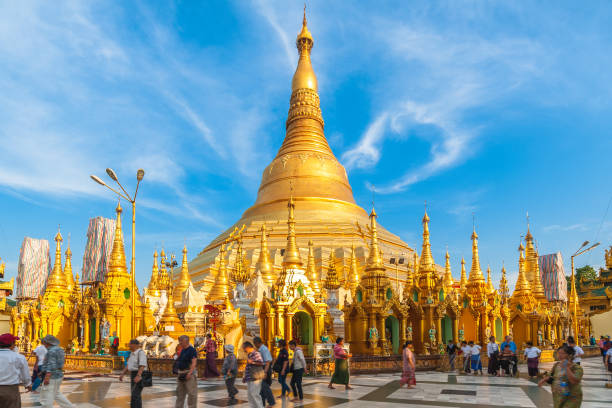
14,371
533,359
467,353
577,349
475,357
40,351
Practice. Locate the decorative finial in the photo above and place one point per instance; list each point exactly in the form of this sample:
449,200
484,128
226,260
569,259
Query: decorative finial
304,21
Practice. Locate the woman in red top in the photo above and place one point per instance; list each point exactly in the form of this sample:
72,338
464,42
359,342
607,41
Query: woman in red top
341,372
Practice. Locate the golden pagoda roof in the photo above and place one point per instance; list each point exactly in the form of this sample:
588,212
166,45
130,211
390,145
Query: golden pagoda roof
374,258
311,270
292,258
68,269
153,283
56,279
463,281
522,284
184,279
264,265
475,272
448,281
304,77
221,289
117,266
331,280
426,264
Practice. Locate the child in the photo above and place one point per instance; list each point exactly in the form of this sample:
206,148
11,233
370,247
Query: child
230,371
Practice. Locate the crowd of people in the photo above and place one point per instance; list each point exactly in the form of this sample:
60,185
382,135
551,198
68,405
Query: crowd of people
48,370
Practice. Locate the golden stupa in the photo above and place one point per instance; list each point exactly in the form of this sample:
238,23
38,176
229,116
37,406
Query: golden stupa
306,169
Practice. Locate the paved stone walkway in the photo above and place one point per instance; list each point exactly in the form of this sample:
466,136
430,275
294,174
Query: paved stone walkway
434,389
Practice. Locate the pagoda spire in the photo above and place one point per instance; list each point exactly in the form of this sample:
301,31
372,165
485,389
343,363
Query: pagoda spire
538,289
463,281
241,272
221,289
184,279
116,265
427,262
489,281
353,278
56,278
522,284
311,271
374,259
331,280
475,272
292,257
68,268
153,287
448,275
503,286
264,265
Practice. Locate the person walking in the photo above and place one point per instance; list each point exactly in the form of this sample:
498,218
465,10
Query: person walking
136,364
451,350
210,370
493,354
53,367
299,368
186,382
466,352
533,359
281,366
565,379
341,370
475,358
253,374
408,366
230,371
40,352
600,343
14,371
266,356
578,351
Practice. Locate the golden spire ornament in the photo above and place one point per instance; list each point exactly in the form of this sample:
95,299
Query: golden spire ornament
153,287
475,272
68,268
489,281
448,281
504,291
522,284
463,281
117,268
184,279
331,280
220,290
374,259
311,271
57,279
292,257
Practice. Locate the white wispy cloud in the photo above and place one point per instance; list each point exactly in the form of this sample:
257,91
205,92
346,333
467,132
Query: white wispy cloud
452,73
572,227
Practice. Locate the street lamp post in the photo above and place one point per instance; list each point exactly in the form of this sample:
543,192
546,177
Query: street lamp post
580,251
139,176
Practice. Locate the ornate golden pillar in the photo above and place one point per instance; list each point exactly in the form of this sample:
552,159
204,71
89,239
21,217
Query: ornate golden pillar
36,328
402,331
289,326
269,329
86,340
381,327
455,326
438,323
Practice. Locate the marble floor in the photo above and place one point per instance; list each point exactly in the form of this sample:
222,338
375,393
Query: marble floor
434,389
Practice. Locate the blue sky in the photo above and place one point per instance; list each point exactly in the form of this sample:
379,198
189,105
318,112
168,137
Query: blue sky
474,107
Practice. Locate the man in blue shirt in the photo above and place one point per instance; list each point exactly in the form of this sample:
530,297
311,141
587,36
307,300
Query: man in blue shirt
508,342
266,391
186,384
53,367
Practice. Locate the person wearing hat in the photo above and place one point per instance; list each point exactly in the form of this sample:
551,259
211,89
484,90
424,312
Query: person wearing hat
136,364
230,371
53,367
14,371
